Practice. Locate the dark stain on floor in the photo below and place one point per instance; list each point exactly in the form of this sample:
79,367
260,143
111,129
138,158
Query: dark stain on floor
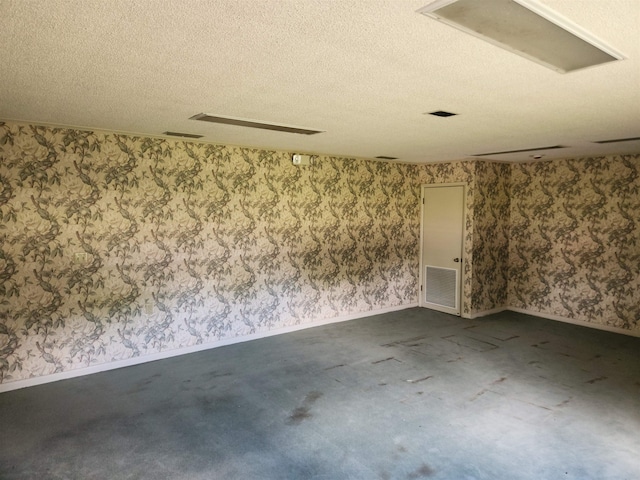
407,342
216,374
298,415
335,366
423,472
594,380
420,379
510,338
302,412
479,394
383,360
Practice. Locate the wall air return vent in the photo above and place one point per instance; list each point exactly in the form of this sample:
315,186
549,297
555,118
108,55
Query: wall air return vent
241,122
527,28
441,286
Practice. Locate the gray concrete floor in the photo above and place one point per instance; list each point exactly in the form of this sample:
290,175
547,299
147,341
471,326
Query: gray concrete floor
408,395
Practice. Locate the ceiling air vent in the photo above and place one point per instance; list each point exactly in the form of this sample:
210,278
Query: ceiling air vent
618,140
240,122
518,151
184,135
526,28
441,113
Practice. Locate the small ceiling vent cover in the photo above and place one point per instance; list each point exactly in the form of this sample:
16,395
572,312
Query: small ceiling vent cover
441,113
241,122
527,28
524,150
184,135
619,140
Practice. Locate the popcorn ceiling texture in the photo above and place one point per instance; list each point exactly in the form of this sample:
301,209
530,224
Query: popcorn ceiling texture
184,243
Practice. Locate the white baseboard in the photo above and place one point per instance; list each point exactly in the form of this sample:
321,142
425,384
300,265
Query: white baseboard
79,372
484,313
582,323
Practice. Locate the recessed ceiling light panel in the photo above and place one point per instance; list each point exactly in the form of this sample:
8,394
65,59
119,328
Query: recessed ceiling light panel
527,28
241,122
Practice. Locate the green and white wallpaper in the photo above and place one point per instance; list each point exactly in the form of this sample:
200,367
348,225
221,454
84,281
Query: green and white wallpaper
114,247
574,246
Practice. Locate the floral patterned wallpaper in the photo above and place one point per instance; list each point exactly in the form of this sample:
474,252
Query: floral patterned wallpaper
574,245
485,269
115,246
491,214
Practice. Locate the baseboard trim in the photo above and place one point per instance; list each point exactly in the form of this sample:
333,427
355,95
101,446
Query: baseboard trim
582,323
484,313
129,362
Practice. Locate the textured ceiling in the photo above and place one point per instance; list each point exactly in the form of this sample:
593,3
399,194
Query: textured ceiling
363,71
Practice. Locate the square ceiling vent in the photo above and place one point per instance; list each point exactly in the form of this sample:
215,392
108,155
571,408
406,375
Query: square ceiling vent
527,28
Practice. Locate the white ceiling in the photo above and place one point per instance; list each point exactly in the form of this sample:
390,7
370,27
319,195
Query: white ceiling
363,71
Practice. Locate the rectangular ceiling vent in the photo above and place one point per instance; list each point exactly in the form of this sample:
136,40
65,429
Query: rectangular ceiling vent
619,140
441,113
524,150
184,135
241,122
527,28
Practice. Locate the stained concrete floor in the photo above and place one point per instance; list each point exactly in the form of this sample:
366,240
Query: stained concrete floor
408,395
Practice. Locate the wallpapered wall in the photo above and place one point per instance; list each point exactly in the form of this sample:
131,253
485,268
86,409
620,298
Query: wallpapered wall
182,243
486,243
574,246
491,215
217,241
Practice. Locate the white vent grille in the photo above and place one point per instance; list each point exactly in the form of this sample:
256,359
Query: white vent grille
440,286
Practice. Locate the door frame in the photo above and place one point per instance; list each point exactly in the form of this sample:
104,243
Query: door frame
421,279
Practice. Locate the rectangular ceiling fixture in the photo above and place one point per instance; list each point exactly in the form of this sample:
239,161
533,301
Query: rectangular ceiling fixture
527,28
240,122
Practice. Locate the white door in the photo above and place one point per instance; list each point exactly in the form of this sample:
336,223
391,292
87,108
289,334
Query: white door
442,242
